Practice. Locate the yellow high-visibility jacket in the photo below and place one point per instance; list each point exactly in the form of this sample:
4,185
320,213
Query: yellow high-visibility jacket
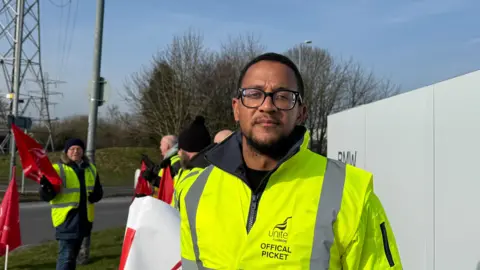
186,176
183,179
69,196
310,213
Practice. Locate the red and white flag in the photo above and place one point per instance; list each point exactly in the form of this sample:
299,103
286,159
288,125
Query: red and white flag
152,236
35,162
10,219
143,187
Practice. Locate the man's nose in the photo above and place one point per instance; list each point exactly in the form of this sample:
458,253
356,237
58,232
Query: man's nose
268,105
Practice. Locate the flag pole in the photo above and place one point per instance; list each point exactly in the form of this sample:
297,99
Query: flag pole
6,257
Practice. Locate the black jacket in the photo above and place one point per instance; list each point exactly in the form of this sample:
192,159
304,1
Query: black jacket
76,224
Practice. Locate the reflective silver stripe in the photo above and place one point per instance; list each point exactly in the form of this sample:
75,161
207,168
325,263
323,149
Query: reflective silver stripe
188,175
93,172
192,199
70,190
328,208
89,188
177,197
62,205
62,174
187,265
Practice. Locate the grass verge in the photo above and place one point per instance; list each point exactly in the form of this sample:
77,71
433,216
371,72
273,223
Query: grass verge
116,165
106,247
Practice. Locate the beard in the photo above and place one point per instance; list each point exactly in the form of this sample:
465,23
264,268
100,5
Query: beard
275,149
184,160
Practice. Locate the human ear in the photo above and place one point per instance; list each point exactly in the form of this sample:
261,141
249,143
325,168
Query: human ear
302,115
235,104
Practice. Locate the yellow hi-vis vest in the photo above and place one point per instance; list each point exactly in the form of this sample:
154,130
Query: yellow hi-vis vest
314,213
69,196
182,180
173,160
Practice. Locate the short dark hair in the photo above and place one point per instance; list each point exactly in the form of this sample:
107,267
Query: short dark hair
274,57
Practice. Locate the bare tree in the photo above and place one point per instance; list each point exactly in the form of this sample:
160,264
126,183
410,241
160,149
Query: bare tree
233,56
331,86
165,95
186,80
3,110
364,87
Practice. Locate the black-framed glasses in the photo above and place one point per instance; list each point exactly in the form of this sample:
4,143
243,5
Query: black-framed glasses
282,99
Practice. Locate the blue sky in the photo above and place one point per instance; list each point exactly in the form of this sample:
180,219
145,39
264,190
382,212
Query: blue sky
413,43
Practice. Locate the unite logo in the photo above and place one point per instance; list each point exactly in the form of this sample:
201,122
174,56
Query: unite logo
38,153
278,232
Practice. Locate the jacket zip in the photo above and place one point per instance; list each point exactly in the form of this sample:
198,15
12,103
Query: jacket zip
252,213
257,194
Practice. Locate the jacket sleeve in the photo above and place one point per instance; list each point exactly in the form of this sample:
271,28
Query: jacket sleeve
156,180
373,245
97,194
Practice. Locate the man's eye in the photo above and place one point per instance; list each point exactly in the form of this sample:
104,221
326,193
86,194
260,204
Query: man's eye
253,94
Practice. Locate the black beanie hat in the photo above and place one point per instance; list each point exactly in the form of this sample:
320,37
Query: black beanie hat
72,142
195,137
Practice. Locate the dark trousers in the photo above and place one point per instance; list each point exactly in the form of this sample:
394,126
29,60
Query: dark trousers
67,253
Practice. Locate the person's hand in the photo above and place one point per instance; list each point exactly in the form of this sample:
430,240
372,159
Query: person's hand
149,175
46,185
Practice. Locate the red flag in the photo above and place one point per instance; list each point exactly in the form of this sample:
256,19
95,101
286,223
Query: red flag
34,159
10,218
165,189
143,187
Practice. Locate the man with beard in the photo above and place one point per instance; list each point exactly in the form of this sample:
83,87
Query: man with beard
268,202
192,142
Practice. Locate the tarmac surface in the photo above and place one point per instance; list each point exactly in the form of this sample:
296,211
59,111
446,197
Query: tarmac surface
36,223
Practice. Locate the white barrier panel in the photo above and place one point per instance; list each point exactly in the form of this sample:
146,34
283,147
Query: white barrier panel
457,181
423,148
152,238
399,151
346,136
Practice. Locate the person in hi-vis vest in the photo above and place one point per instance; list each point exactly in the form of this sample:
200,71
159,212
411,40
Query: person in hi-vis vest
193,141
169,150
268,202
72,207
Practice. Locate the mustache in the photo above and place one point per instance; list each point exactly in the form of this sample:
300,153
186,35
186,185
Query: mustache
260,120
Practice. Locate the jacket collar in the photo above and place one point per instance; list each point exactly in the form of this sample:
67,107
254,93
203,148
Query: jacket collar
199,161
228,156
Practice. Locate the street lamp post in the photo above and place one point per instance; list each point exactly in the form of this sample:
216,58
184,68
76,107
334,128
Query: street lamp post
300,53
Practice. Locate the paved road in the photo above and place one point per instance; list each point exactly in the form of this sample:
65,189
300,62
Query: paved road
107,191
36,224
